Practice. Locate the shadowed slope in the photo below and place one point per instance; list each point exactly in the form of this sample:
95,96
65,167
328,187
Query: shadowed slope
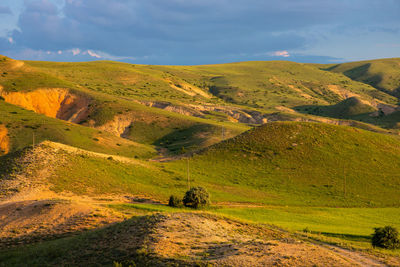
383,74
346,109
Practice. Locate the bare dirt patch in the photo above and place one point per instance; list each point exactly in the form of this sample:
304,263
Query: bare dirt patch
30,221
188,89
119,125
4,140
56,103
30,211
223,242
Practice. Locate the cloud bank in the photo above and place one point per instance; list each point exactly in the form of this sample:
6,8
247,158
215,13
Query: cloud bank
191,31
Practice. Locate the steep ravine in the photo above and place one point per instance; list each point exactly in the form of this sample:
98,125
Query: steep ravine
55,102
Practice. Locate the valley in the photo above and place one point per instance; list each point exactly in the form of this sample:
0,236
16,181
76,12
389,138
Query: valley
301,162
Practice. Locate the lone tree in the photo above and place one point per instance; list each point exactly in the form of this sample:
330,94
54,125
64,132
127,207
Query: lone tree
386,237
196,197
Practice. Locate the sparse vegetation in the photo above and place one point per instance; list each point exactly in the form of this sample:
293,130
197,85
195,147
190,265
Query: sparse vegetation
174,201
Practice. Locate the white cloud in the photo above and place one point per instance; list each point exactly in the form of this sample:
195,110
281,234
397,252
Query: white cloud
76,51
10,40
59,52
93,54
282,53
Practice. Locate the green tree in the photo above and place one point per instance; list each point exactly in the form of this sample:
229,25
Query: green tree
386,237
196,197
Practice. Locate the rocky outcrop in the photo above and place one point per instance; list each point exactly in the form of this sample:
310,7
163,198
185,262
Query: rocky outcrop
56,103
185,110
384,109
233,114
118,126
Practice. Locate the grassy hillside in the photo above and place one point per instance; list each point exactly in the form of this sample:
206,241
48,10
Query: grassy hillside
266,84
383,74
262,86
349,108
25,127
108,109
252,84
292,163
109,136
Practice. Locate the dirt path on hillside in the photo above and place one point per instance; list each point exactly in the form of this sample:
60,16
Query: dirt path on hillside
75,150
358,258
225,242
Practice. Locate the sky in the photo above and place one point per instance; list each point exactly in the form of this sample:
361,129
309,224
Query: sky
192,32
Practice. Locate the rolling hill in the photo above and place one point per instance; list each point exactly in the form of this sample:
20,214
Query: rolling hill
281,163
310,148
383,74
349,108
296,163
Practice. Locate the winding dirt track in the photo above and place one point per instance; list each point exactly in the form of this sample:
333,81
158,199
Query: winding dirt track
353,257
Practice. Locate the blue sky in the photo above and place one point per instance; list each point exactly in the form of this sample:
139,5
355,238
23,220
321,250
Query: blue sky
192,32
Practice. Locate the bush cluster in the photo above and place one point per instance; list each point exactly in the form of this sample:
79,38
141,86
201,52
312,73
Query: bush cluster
386,237
196,197
174,201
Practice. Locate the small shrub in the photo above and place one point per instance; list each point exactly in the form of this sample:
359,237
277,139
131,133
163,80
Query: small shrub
196,197
174,201
386,237
1,98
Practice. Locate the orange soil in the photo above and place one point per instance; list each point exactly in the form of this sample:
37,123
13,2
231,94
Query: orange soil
55,103
4,140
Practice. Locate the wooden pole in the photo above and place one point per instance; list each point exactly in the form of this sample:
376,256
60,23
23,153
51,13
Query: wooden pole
344,180
188,174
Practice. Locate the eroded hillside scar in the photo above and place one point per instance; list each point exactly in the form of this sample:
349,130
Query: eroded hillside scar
56,103
4,140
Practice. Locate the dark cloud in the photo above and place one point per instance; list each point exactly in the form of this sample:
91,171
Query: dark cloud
192,31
